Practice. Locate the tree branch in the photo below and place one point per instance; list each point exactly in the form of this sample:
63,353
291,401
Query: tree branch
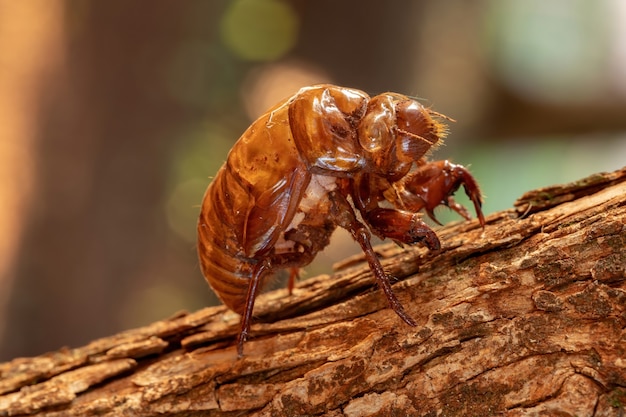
525,317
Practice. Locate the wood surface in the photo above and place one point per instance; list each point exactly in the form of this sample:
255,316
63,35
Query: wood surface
526,317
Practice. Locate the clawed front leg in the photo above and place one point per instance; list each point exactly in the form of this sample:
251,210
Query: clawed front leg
432,185
402,226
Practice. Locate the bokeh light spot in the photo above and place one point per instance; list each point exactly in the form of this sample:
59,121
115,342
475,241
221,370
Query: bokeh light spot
259,30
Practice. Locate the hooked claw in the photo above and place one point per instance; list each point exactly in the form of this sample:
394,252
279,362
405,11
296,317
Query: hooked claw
434,184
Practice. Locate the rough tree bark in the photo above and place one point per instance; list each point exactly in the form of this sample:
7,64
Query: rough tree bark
527,317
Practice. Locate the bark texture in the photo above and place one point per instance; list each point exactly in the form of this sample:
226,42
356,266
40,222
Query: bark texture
526,317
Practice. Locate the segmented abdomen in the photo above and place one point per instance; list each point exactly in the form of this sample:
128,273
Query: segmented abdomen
220,235
248,205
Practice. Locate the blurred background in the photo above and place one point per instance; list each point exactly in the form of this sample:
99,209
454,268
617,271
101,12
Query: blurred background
115,114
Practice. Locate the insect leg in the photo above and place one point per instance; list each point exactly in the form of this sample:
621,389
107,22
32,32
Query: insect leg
433,184
253,289
345,217
294,275
450,202
402,226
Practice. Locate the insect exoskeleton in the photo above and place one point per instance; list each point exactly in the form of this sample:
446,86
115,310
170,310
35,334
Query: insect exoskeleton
308,166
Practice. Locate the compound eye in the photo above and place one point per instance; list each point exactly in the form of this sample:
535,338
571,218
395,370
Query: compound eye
375,129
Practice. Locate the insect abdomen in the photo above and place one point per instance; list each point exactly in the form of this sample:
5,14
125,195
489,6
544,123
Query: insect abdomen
220,237
248,204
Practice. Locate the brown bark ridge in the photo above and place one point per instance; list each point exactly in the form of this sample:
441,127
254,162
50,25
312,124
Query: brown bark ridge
525,317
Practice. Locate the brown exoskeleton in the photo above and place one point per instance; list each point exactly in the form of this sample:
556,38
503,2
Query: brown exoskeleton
309,165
